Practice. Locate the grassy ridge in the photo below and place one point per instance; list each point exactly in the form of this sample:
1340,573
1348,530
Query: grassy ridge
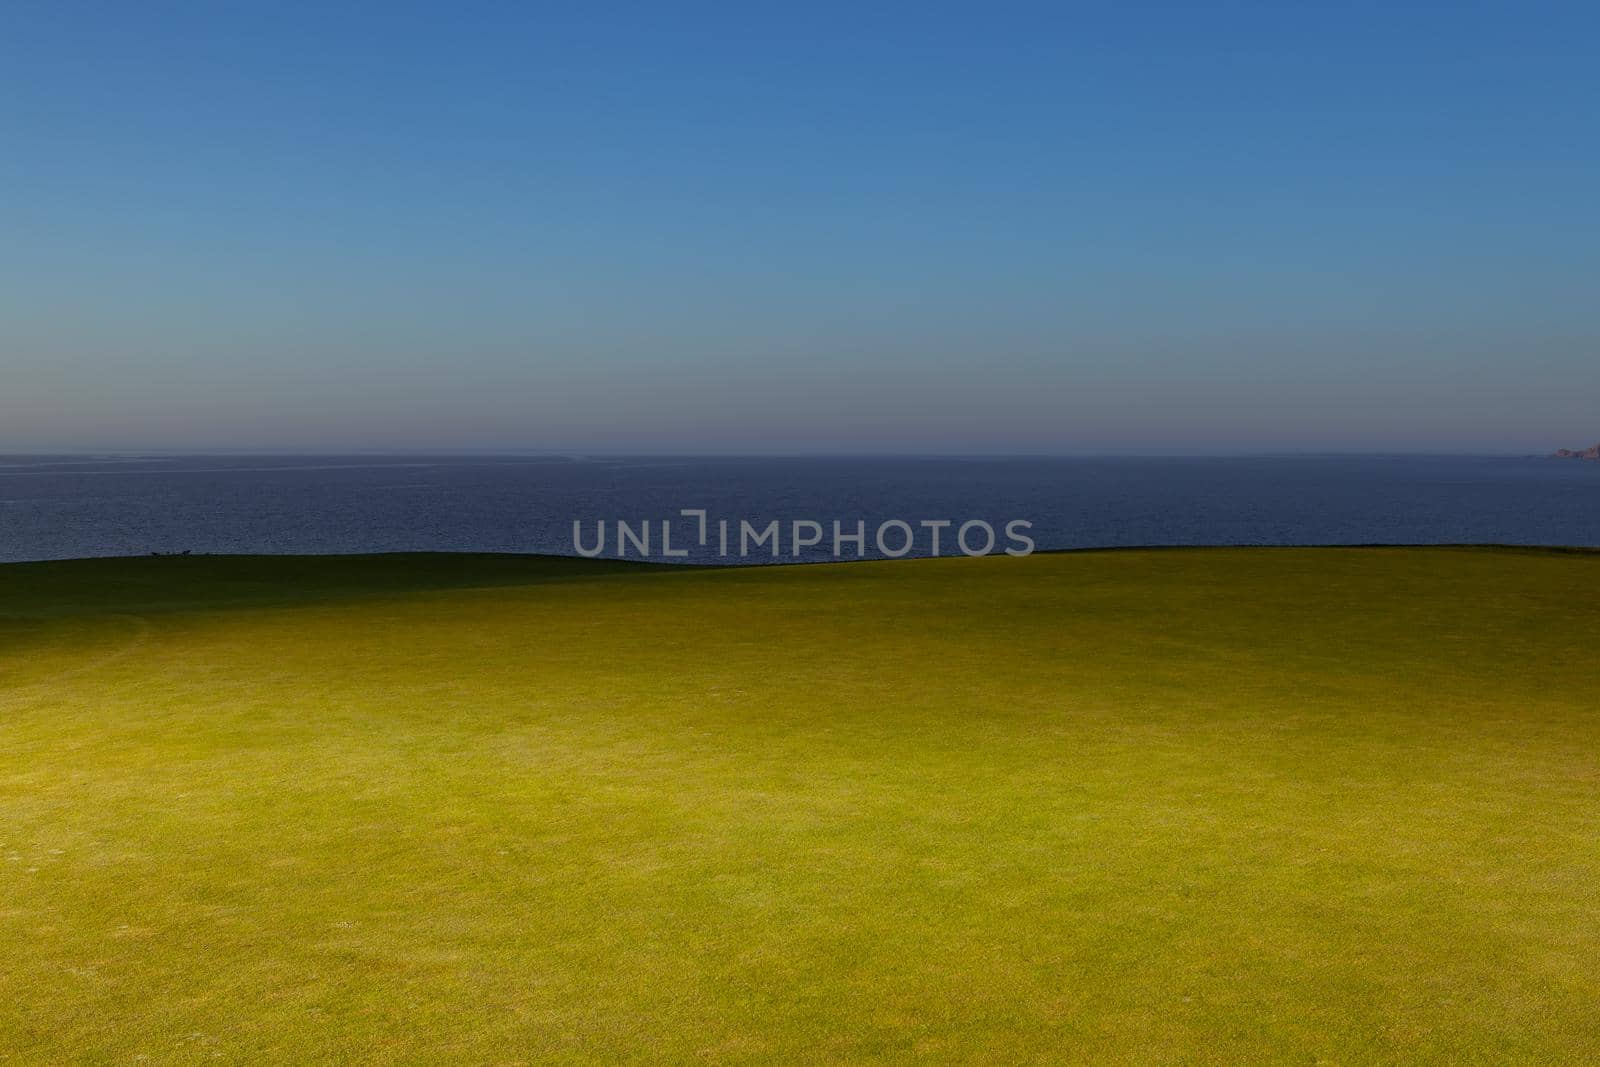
1190,806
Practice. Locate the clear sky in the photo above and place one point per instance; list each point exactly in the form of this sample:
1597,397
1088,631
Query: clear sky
800,226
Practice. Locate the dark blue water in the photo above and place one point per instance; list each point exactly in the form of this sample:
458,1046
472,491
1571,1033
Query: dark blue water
59,507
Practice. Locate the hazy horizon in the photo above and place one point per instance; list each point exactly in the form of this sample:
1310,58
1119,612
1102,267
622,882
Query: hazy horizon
1155,229
584,454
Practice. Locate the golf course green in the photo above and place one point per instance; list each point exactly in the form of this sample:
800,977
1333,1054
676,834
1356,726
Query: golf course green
1226,806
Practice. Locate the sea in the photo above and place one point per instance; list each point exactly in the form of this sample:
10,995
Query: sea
56,507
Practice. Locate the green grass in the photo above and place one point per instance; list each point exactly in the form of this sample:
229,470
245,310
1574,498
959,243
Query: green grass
1228,806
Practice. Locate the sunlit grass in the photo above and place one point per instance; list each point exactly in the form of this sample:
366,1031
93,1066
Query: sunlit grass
1187,806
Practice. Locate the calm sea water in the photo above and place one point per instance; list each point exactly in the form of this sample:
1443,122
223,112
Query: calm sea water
61,507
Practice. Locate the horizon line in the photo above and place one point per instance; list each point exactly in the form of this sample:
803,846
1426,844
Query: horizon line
579,454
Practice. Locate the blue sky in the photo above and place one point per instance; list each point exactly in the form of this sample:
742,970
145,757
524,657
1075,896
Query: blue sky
800,227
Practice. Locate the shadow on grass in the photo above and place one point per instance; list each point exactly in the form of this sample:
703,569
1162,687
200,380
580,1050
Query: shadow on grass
146,584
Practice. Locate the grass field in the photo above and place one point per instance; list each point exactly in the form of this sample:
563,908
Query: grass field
1217,806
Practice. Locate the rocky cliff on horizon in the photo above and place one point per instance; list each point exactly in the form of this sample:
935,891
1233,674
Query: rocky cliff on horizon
1592,452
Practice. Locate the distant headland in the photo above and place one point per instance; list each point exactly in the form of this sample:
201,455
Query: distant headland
1592,452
